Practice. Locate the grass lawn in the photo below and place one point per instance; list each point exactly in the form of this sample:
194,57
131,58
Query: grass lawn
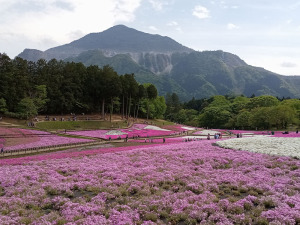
79,125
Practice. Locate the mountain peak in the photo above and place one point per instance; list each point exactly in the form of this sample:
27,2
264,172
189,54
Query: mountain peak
115,40
124,39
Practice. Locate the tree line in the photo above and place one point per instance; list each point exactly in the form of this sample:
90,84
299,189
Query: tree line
239,112
57,87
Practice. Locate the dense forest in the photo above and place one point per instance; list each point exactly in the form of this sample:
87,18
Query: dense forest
239,112
56,87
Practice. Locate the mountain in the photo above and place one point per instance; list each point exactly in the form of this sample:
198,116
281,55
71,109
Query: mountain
116,40
171,66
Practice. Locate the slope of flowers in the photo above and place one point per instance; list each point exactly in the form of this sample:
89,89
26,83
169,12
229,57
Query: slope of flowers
2,141
283,146
290,134
137,130
276,133
182,183
36,138
16,136
206,132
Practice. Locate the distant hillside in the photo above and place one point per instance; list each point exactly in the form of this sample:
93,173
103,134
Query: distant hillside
202,74
171,66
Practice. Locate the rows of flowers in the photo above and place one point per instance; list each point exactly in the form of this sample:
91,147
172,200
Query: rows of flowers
206,132
36,138
269,132
182,183
15,136
2,142
284,146
169,139
137,130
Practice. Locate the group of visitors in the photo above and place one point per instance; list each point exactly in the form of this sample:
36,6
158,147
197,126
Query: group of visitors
239,135
31,124
216,136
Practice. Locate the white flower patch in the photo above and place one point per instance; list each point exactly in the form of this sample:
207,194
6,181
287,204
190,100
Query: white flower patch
150,127
194,137
211,132
188,128
115,132
263,144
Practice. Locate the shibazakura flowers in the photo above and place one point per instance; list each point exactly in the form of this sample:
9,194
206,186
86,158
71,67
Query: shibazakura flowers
189,183
284,146
36,138
137,130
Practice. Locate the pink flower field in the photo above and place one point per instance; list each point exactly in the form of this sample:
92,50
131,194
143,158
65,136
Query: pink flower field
137,130
193,182
23,138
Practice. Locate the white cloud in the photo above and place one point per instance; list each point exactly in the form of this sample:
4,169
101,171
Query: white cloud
175,25
179,29
289,64
201,12
153,28
172,23
231,26
158,4
58,21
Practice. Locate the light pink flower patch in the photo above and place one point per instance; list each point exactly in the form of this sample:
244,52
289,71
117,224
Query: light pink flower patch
137,130
38,138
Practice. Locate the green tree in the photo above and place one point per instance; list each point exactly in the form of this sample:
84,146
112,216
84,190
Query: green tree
26,108
141,95
220,101
294,104
281,116
111,87
261,117
40,97
159,107
262,101
154,108
151,95
239,103
3,106
243,119
215,117
173,106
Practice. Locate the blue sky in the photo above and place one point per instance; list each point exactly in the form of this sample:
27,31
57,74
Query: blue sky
263,33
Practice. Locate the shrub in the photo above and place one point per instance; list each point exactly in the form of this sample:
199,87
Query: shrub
151,216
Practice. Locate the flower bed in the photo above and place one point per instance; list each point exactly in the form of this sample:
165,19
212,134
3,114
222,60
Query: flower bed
36,138
137,130
17,136
206,132
186,183
265,144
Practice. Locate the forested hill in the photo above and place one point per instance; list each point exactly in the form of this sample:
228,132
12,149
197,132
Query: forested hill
201,74
170,66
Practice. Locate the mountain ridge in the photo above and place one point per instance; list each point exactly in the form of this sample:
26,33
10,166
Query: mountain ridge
171,66
118,39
